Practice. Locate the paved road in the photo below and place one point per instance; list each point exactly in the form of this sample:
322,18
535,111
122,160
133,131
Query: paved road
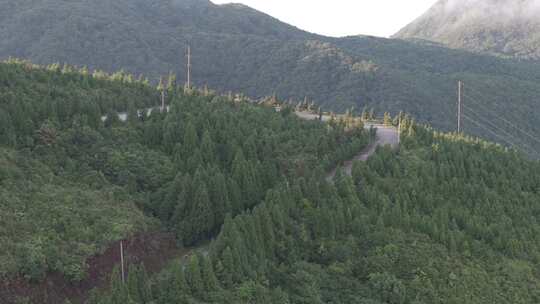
385,136
147,112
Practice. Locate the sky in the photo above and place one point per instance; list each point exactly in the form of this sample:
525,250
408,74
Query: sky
338,18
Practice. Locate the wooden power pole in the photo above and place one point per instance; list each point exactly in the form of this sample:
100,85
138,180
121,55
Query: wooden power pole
162,100
188,84
399,131
122,261
460,100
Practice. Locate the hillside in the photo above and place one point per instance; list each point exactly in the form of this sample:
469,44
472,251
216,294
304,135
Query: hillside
238,49
445,219
142,36
72,185
57,211
506,28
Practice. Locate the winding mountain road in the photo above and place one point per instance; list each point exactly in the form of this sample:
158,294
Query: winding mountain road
158,254
385,136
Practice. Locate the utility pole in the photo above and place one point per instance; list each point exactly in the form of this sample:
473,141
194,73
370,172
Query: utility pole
399,132
460,89
162,88
122,261
162,100
188,84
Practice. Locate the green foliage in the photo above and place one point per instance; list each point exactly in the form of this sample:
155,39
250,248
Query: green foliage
51,222
72,182
239,49
446,219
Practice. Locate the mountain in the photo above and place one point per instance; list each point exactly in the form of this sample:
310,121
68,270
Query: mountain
236,48
507,28
222,200
73,186
445,218
144,36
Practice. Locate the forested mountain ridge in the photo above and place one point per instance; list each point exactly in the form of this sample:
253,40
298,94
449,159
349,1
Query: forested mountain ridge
507,28
71,184
235,48
445,219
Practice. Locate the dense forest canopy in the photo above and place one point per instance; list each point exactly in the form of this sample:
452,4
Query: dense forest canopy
72,183
235,48
445,219
241,186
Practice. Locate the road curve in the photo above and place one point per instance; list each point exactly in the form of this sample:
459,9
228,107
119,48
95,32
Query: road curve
385,136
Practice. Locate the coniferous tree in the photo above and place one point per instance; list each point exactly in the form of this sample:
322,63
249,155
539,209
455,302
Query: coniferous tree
365,114
112,119
229,267
144,289
219,197
171,85
209,277
194,161
194,277
161,84
179,290
371,114
119,292
190,141
208,148
132,114
387,119
267,230
132,284
202,215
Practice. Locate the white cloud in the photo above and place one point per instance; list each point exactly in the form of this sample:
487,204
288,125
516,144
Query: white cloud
493,11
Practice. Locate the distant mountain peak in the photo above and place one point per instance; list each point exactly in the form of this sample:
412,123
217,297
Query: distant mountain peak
236,5
509,28
191,2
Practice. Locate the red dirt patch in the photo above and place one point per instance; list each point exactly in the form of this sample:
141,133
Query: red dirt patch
155,250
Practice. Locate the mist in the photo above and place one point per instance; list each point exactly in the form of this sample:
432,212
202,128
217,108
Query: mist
494,10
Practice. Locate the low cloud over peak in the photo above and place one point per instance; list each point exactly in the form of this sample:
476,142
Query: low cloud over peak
510,28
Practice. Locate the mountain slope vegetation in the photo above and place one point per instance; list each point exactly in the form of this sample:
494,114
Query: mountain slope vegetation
72,183
500,27
446,219
238,49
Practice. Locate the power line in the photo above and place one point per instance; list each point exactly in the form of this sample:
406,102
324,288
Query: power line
476,102
486,120
504,139
494,126
508,122
487,124
487,129
523,145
